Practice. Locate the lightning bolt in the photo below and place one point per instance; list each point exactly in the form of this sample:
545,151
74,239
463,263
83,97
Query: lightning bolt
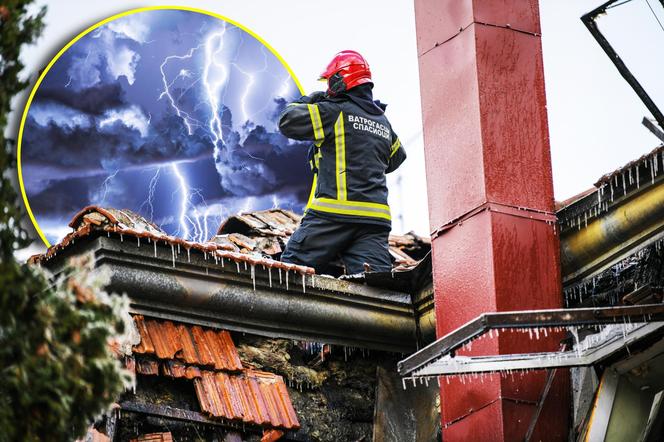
213,46
151,189
193,220
184,199
187,119
251,79
105,184
285,87
191,223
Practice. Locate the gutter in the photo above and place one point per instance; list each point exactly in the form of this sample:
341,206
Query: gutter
250,299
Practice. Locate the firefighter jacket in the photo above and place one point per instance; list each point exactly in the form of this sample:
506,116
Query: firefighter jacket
354,146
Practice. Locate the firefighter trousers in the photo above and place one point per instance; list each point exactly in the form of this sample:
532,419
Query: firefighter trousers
319,241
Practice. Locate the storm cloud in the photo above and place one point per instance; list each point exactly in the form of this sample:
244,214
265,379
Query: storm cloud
157,108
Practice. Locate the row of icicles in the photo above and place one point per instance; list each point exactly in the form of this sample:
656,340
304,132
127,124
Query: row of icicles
176,251
619,330
620,181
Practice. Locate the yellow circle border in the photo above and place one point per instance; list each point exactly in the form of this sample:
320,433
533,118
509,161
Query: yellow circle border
87,31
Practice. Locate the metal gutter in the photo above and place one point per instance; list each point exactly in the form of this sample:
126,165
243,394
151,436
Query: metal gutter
630,224
252,299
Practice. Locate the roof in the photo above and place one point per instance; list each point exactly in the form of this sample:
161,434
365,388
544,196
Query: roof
611,190
649,159
256,238
189,344
224,388
267,231
95,219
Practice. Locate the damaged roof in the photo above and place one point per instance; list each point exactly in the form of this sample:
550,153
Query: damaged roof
267,231
224,388
127,224
256,238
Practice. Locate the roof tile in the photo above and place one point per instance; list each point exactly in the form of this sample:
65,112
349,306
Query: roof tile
189,344
207,356
254,397
154,437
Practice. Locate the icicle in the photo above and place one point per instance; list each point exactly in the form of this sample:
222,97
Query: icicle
313,281
304,283
611,186
138,241
245,265
638,179
403,382
286,279
155,248
188,254
269,275
121,238
178,249
223,262
173,254
237,264
280,277
253,276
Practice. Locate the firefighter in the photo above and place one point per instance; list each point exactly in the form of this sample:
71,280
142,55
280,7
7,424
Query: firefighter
353,148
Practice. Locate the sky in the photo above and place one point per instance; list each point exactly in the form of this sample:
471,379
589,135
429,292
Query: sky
170,113
594,117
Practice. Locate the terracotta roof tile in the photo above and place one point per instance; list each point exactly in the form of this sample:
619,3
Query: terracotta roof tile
128,224
253,397
245,238
154,437
94,436
147,367
190,344
207,356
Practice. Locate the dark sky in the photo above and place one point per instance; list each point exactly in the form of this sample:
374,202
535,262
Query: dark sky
169,113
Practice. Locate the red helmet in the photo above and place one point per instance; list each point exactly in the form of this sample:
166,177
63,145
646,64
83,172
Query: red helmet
346,70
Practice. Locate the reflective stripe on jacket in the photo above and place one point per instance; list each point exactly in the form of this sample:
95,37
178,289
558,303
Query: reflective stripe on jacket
352,151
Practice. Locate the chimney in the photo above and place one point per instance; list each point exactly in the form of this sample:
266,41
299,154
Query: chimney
490,202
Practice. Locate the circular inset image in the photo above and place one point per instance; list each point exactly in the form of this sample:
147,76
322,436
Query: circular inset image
169,112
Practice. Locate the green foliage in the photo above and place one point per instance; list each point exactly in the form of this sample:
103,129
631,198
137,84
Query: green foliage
16,30
57,371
